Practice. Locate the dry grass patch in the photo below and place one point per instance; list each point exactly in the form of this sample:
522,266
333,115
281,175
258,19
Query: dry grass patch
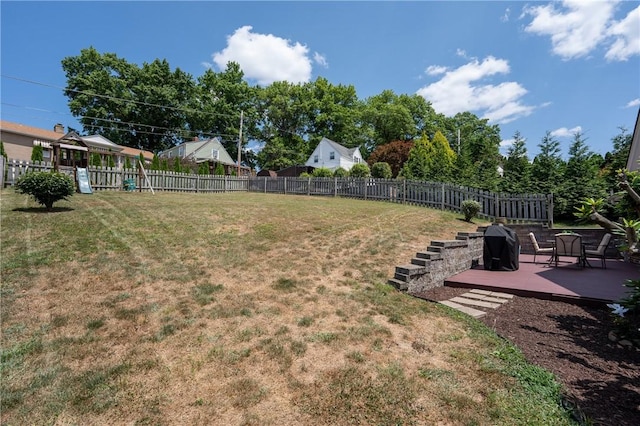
236,309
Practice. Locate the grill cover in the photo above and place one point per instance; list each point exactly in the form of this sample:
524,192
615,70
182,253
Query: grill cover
501,249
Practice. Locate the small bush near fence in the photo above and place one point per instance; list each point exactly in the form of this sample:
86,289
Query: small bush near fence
470,209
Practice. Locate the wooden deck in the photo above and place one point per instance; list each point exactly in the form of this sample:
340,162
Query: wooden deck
567,282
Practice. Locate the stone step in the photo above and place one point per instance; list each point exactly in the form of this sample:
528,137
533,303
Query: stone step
484,298
429,255
399,285
474,302
401,277
492,293
465,309
420,262
410,270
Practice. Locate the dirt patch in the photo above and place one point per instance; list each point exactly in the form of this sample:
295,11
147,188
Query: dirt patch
600,377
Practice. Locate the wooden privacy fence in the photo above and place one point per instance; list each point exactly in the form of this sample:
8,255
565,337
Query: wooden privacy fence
522,208
112,179
525,208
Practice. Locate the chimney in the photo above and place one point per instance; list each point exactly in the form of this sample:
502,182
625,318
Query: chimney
58,128
195,139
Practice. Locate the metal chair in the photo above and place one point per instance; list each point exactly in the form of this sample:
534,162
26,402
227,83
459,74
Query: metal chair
536,247
569,245
601,251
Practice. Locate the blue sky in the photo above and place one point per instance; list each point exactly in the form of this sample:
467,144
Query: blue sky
531,67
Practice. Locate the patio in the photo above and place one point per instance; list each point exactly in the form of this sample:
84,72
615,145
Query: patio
568,282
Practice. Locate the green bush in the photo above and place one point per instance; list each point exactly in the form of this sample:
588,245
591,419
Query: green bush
37,153
381,170
219,170
470,208
360,170
305,175
45,187
340,172
322,172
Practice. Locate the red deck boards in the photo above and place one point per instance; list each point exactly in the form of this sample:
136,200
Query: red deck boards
567,282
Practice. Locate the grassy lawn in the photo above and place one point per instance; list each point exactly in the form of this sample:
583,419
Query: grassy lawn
242,309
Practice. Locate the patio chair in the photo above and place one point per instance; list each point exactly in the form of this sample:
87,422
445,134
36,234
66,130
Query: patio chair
569,245
536,247
601,251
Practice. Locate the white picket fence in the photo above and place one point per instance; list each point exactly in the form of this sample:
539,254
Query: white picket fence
516,208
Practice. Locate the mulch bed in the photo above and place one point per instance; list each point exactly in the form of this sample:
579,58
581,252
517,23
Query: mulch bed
600,377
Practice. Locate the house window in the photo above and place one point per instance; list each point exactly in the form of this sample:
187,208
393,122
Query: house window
315,158
215,154
356,160
169,154
332,155
181,151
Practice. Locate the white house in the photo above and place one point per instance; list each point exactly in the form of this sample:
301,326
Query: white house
332,155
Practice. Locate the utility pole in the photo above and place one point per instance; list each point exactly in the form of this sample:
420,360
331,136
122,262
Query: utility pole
240,143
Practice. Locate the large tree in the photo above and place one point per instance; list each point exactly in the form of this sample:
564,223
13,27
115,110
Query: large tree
220,100
141,107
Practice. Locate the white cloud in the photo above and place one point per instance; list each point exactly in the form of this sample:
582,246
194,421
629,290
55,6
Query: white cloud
320,60
462,53
578,27
436,70
265,57
563,132
633,103
505,17
506,143
462,89
626,34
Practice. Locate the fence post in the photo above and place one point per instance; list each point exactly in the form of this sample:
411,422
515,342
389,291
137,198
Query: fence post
225,184
404,191
442,195
335,186
550,213
309,186
284,185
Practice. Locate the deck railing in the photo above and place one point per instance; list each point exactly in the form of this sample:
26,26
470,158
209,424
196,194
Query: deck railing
516,208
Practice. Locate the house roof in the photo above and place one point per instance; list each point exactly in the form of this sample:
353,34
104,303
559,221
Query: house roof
35,132
99,141
343,151
134,152
200,152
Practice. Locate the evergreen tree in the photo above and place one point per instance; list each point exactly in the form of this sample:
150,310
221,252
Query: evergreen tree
417,165
516,168
96,160
219,169
37,154
442,161
127,163
177,167
155,162
2,151
581,178
547,168
110,162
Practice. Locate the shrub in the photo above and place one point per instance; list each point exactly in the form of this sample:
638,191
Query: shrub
360,170
305,175
219,170
340,172
381,170
45,187
322,172
470,208
37,153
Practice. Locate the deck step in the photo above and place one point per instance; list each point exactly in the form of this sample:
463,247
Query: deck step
492,293
465,309
399,285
